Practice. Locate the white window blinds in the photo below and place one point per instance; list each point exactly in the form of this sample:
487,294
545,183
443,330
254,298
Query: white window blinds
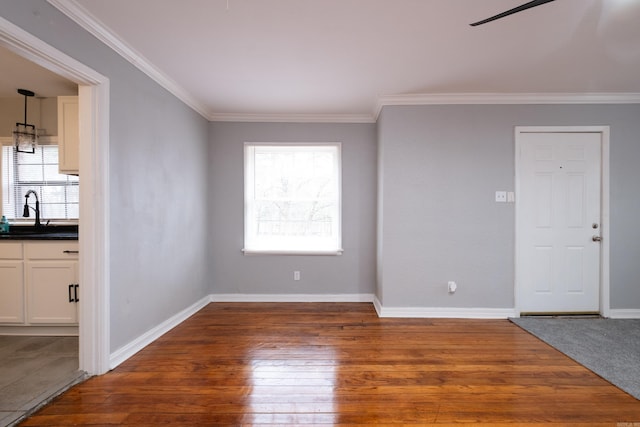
292,198
58,194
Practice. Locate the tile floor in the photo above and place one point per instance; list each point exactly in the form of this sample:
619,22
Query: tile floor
32,371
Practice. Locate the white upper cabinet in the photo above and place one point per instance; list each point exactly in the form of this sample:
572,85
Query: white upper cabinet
68,135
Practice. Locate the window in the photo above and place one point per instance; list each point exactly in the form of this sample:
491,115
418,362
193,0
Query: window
292,198
58,194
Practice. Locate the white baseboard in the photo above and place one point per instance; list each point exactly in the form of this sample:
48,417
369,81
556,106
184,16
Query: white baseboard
444,312
40,331
292,297
125,352
623,313
426,312
377,305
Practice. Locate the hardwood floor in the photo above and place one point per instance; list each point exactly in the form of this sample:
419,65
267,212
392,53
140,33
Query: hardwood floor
338,363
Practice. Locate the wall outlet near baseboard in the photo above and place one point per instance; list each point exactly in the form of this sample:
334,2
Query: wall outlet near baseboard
452,286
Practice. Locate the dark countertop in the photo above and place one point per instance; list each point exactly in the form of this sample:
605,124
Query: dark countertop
45,232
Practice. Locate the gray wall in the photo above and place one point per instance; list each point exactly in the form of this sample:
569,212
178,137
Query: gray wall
177,197
158,176
439,167
233,272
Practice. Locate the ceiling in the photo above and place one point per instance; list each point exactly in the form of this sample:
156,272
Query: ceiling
19,73
243,59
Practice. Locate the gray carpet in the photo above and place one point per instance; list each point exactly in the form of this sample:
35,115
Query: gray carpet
608,347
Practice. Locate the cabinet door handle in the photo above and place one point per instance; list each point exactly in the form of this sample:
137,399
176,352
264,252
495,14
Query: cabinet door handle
75,291
71,298
70,252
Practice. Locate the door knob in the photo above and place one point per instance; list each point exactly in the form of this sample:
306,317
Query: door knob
596,239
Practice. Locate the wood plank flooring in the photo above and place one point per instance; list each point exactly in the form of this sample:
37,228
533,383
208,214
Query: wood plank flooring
339,364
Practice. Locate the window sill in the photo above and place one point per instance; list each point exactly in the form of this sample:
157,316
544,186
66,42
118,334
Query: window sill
336,252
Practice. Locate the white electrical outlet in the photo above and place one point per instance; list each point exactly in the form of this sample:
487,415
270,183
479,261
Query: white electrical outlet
452,286
501,196
296,275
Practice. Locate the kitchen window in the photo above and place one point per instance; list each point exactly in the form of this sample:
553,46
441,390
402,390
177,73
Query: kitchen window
58,194
292,199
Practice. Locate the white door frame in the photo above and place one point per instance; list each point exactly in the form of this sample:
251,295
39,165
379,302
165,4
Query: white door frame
93,95
605,225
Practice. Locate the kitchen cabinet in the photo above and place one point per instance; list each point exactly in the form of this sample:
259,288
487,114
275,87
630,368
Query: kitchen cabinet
52,292
11,283
51,278
68,135
39,283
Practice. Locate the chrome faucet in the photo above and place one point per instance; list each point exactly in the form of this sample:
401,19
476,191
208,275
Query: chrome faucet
25,213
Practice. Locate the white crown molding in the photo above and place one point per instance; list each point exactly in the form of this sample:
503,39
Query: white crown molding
506,98
293,118
90,23
93,25
37,51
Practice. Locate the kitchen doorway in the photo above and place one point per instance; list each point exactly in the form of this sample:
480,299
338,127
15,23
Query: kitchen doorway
93,97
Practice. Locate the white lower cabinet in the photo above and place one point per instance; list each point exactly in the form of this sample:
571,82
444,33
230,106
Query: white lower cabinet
11,292
39,283
11,283
52,292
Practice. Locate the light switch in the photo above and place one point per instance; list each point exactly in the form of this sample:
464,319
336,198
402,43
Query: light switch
511,197
501,196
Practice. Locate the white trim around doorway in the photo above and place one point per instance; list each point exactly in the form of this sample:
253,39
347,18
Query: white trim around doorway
605,309
94,189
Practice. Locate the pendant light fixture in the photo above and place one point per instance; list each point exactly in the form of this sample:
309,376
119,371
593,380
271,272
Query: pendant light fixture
25,137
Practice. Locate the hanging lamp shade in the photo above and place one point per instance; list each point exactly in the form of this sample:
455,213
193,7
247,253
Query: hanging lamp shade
25,136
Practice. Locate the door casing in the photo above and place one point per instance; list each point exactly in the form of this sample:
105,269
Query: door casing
93,96
604,200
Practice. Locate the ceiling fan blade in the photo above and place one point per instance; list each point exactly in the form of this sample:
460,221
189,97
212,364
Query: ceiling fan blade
520,8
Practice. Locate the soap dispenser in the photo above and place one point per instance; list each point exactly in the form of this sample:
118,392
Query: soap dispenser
4,225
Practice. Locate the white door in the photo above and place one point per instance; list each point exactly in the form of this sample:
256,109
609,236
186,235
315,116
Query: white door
558,221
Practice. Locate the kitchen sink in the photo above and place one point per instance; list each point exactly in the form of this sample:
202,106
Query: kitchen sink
45,232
